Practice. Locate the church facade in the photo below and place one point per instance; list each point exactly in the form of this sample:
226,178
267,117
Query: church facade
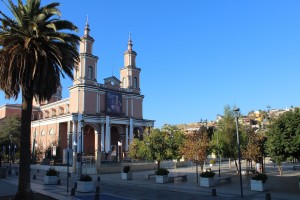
98,120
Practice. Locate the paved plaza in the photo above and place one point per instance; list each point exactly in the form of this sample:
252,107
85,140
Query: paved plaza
113,188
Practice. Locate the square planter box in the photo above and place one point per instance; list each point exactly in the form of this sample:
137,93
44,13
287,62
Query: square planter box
162,179
126,176
257,185
85,186
50,180
207,182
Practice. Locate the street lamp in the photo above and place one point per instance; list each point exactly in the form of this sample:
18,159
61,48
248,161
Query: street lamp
237,112
10,159
219,153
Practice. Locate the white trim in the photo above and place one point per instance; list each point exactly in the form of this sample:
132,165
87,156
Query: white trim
56,104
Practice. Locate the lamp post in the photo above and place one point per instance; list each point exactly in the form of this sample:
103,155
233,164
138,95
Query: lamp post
10,146
237,112
219,154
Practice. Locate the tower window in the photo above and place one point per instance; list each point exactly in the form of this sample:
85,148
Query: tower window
90,72
135,82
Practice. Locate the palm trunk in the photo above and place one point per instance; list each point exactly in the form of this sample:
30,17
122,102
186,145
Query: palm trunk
24,190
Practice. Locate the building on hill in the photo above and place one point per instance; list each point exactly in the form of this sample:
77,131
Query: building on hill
98,120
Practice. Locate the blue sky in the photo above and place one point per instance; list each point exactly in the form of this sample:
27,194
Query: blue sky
197,56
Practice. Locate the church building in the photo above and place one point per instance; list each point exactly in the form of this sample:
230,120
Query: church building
99,120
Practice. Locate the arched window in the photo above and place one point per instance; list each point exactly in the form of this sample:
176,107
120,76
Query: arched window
51,132
124,82
43,132
90,72
135,82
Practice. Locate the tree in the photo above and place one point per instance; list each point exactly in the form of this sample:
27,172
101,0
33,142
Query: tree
175,140
196,148
34,53
160,144
225,137
10,126
284,137
138,150
254,149
159,148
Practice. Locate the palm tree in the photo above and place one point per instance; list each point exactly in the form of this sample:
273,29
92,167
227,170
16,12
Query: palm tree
34,52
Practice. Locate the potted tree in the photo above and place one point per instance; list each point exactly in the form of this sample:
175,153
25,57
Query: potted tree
51,176
126,173
207,179
162,175
85,184
258,182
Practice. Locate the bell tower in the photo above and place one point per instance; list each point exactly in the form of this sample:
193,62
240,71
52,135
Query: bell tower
130,74
86,71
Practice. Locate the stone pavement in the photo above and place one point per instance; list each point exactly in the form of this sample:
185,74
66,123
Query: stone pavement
280,187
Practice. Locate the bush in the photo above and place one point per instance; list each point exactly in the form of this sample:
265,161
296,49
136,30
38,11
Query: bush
260,177
85,177
213,161
207,174
52,172
126,169
162,172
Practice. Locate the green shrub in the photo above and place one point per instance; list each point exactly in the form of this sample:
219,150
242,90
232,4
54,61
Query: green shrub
213,161
85,177
52,172
260,177
162,172
207,174
126,169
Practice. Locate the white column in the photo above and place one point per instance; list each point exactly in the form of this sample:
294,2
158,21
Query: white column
102,137
74,147
96,140
126,138
107,135
74,141
130,131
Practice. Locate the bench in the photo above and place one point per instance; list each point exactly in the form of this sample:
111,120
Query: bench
218,180
295,166
151,176
181,178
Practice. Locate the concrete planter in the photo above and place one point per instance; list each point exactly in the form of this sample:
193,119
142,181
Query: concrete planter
50,180
85,186
257,185
126,176
206,182
162,179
